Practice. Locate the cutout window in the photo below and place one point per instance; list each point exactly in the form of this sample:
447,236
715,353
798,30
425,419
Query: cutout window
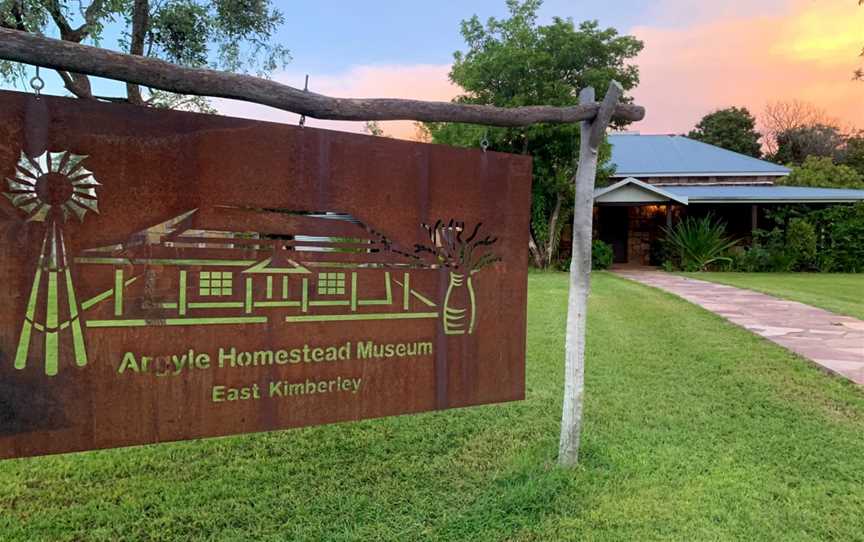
215,283
331,283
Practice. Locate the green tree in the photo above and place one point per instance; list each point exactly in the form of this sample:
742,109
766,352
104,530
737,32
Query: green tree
821,171
853,154
516,62
373,128
233,35
797,144
733,129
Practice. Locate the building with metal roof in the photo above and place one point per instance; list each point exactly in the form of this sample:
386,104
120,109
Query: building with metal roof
660,178
674,159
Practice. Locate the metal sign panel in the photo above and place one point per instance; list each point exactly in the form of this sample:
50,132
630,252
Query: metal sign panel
168,276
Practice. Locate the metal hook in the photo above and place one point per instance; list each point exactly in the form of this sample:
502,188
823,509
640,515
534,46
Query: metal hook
484,143
305,89
37,83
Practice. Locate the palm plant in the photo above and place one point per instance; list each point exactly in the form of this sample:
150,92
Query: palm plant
699,242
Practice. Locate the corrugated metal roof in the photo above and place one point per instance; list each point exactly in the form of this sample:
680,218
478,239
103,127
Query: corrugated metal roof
637,155
765,194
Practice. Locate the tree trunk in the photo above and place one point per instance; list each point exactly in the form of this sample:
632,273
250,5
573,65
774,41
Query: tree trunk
140,22
591,135
554,235
534,250
25,47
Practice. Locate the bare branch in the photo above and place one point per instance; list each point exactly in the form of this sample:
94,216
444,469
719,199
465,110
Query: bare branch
56,12
77,84
32,49
91,16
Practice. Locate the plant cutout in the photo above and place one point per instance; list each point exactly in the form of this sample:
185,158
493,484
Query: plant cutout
51,188
699,242
463,257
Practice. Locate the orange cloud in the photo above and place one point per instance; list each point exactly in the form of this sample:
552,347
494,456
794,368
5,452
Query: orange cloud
422,82
807,52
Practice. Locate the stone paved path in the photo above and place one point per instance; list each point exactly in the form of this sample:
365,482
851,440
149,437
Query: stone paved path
831,341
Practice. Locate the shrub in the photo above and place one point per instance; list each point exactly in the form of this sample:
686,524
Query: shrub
822,171
767,254
801,244
657,254
841,238
601,255
697,243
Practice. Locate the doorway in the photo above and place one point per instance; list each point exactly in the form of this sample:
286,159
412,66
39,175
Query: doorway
614,226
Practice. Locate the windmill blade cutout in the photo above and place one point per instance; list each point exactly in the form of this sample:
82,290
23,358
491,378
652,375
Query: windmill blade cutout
52,188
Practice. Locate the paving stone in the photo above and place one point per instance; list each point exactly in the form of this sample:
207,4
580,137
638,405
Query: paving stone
831,341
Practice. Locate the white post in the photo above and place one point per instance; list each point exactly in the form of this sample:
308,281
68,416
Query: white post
591,136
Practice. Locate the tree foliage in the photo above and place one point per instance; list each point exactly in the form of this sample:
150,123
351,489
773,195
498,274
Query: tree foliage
517,62
795,145
784,116
733,129
233,35
853,154
821,171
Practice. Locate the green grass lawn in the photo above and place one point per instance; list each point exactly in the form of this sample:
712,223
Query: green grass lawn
836,292
695,430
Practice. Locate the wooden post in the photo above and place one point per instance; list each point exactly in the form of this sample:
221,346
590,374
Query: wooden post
669,215
591,135
754,218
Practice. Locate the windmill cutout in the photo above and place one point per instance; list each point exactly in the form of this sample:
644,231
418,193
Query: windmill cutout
51,188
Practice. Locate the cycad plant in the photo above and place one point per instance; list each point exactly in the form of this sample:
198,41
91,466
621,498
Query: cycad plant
699,242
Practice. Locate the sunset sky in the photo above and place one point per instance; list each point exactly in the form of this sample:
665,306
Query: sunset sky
699,56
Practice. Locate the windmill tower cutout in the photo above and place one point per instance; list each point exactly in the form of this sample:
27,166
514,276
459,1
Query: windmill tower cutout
51,188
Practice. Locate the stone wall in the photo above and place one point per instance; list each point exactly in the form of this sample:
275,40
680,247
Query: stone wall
646,226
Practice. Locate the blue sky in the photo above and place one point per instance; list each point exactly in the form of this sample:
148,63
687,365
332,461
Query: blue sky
410,32
331,37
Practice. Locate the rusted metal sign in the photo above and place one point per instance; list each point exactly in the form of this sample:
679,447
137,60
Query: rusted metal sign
168,276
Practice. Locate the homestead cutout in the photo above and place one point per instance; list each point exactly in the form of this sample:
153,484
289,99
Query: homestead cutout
170,275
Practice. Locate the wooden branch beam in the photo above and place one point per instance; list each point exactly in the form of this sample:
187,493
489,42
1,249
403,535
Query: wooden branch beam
605,114
30,48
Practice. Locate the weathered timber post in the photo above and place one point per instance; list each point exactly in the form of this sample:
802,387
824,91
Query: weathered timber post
591,135
754,219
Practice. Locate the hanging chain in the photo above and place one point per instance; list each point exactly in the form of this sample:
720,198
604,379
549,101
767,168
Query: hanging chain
484,142
37,83
305,89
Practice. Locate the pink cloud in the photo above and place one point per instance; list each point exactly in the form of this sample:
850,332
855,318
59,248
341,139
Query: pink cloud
700,56
807,52
422,82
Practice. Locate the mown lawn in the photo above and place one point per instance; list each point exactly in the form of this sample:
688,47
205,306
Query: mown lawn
836,292
695,430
